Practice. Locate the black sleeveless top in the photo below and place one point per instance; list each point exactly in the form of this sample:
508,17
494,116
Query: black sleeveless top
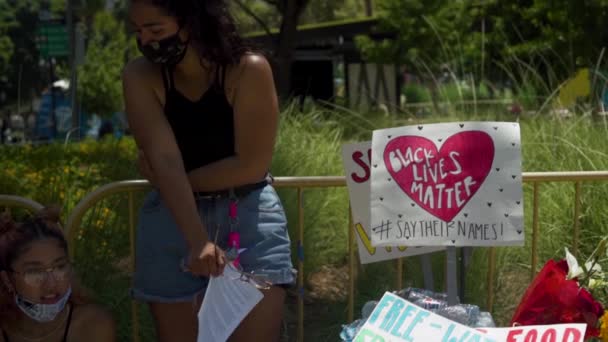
204,130
65,333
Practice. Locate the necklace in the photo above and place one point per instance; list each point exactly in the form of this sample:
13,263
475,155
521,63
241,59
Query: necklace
59,325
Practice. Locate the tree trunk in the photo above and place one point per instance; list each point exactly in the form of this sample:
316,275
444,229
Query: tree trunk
369,10
286,45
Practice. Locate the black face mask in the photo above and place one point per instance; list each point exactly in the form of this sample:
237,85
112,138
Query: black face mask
169,51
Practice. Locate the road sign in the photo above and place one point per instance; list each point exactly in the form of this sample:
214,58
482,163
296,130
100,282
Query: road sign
52,40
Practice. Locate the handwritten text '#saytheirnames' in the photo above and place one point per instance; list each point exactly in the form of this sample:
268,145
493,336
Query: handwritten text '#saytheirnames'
407,229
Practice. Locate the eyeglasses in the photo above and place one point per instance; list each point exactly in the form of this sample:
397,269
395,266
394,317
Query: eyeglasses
36,277
259,281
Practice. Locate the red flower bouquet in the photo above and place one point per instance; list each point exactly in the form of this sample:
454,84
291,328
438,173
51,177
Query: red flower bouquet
553,298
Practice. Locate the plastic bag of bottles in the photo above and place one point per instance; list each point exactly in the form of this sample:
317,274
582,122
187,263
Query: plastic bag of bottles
466,314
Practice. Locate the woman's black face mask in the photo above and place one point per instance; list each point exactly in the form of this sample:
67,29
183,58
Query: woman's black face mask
169,51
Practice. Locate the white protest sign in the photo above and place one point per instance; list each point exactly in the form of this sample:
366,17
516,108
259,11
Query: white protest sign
542,333
397,320
450,184
357,167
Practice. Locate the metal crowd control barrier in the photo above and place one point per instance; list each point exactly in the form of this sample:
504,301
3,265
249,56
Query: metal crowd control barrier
305,183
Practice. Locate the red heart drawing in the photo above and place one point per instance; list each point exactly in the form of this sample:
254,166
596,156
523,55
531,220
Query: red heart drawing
441,182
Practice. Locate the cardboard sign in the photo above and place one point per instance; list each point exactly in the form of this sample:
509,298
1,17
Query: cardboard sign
540,333
397,320
357,167
450,184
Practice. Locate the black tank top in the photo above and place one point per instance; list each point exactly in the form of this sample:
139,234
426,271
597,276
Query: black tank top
65,333
204,130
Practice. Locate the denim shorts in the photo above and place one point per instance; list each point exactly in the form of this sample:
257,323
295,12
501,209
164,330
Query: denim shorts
161,248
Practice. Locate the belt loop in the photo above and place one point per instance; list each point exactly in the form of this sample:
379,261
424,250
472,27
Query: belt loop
232,195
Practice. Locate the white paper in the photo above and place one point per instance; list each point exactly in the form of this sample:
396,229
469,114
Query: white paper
357,167
448,184
227,302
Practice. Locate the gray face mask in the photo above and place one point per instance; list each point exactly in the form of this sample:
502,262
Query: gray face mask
42,312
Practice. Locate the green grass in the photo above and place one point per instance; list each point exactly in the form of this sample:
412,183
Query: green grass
309,144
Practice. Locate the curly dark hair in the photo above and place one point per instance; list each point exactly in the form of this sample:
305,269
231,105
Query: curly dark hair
212,28
15,236
14,239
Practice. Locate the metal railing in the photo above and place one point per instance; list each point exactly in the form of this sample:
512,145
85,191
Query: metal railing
303,183
130,187
19,202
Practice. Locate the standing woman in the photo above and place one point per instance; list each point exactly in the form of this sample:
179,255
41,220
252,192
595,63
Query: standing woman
204,113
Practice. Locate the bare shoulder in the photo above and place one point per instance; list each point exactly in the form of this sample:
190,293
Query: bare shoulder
138,68
93,322
140,72
253,63
253,68
254,60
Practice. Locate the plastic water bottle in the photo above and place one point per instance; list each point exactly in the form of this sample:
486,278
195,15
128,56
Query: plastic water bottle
484,320
368,308
349,331
462,313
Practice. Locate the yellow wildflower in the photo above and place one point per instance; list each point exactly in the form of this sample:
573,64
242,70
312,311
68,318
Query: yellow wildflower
30,176
105,213
604,327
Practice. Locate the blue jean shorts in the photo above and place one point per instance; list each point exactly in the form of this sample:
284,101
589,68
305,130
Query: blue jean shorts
161,248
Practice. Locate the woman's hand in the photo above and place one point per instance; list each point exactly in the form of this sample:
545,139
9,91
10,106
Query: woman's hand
206,260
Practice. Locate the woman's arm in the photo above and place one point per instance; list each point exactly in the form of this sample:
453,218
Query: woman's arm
256,113
154,136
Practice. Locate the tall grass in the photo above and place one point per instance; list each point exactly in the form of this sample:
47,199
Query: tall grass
549,143
309,145
571,145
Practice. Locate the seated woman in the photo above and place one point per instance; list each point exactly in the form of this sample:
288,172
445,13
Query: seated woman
39,299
